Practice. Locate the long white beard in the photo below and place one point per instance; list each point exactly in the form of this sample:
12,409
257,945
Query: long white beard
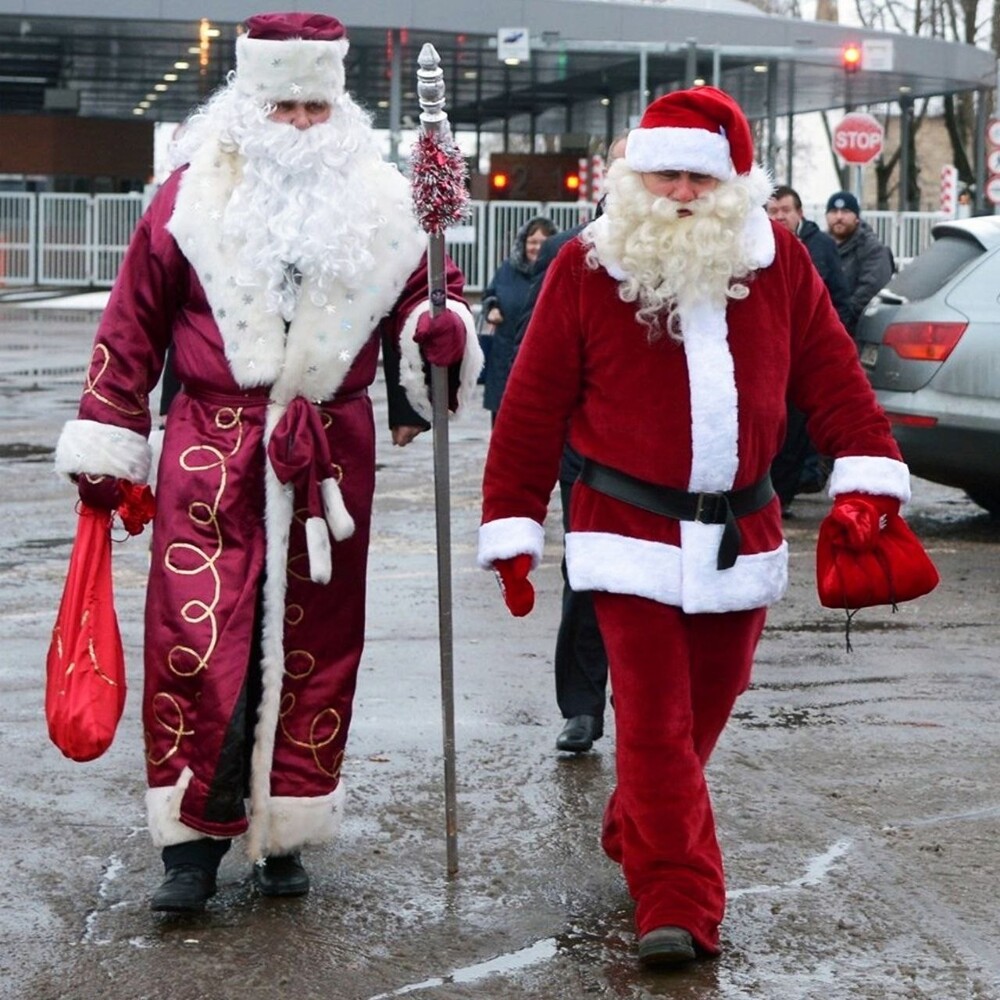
672,261
303,209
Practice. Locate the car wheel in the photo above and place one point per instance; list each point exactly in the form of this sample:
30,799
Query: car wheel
989,502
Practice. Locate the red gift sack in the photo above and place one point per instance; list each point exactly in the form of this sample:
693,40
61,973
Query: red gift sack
893,569
85,668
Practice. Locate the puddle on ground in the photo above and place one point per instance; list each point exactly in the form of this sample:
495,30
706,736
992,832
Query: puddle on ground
785,718
19,451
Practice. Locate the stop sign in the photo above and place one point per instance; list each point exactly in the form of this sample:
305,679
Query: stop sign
858,138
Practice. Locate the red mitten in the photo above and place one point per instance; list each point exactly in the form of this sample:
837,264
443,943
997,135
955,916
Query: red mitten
138,507
858,518
99,492
512,575
442,337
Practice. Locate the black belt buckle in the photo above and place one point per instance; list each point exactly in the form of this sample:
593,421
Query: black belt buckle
710,508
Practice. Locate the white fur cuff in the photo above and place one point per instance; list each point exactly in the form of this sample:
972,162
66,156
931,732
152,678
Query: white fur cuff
96,449
508,537
411,361
295,822
869,474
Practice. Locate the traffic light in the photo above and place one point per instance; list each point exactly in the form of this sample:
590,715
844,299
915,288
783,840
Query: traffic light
499,182
571,183
850,57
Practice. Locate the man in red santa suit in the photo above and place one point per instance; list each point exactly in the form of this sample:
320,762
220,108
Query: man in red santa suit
663,347
271,264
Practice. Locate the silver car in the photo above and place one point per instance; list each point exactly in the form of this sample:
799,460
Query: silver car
930,343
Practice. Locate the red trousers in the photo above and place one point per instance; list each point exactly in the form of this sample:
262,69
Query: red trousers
675,679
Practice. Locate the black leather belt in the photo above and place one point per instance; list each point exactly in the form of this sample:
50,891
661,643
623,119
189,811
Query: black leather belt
706,508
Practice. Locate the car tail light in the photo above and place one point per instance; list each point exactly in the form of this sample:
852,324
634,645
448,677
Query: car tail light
910,419
923,341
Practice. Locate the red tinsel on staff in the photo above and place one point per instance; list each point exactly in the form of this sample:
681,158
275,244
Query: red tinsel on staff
439,171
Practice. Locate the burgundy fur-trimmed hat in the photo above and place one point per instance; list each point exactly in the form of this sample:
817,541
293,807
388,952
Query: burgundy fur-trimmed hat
293,56
702,130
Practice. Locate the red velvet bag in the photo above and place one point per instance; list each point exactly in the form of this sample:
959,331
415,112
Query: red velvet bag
893,569
85,667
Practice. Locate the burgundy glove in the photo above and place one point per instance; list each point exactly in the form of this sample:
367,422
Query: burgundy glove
99,492
442,337
135,505
859,517
515,586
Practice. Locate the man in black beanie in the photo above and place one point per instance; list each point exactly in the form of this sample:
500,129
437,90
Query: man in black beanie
867,262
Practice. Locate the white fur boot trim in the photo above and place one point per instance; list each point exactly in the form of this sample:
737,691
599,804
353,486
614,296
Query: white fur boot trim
293,822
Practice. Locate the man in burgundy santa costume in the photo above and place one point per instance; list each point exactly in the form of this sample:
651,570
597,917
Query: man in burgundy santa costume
271,264
663,347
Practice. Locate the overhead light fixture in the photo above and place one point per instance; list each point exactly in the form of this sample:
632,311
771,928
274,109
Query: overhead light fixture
383,104
138,111
151,97
182,65
760,68
161,87
145,104
605,101
700,82
170,77
470,74
512,62
905,90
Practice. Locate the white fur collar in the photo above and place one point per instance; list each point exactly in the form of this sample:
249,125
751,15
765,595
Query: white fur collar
330,327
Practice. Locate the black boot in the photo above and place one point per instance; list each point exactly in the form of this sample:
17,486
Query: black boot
190,876
579,733
281,875
185,889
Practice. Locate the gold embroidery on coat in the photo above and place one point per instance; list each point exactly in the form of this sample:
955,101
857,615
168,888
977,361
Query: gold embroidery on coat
204,515
299,663
316,740
298,563
103,355
175,728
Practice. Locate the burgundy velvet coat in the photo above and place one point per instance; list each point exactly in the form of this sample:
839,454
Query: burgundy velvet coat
268,452
706,414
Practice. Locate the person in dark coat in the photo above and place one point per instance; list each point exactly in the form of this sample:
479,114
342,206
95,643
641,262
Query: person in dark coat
503,302
866,260
798,468
581,663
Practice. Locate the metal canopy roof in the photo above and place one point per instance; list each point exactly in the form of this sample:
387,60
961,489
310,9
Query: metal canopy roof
583,76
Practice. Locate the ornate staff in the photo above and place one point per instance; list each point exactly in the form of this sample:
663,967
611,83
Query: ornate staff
440,197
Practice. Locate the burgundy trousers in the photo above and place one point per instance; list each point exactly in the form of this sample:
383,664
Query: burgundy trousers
675,679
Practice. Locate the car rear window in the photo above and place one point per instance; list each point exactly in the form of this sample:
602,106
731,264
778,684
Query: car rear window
930,270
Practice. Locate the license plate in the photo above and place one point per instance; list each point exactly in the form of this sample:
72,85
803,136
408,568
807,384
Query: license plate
869,355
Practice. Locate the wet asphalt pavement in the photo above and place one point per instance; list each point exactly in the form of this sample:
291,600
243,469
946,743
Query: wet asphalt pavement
857,795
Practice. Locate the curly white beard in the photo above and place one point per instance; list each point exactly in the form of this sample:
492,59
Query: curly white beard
304,200
673,261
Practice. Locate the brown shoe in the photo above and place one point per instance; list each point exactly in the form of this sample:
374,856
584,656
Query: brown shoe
663,947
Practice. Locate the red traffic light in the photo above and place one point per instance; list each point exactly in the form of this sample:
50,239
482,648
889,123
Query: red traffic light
571,182
850,57
499,181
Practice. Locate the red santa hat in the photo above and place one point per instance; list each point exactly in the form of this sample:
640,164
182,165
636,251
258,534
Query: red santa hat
702,130
294,56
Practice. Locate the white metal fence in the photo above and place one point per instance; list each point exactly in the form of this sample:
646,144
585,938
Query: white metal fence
79,240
